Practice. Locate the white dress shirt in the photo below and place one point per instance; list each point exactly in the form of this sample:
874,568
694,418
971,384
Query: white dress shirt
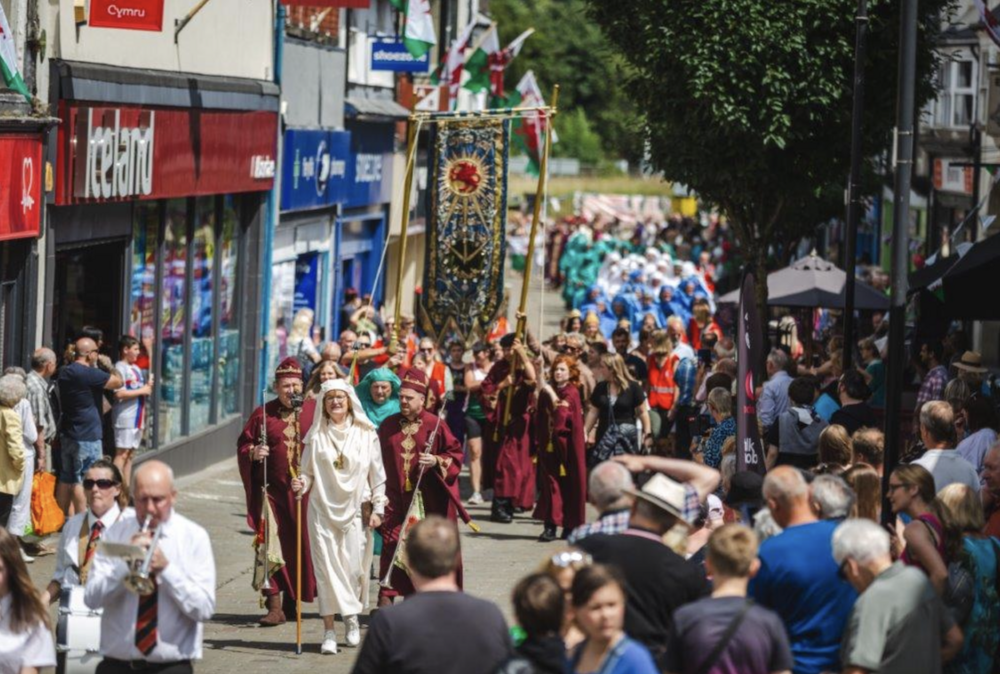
33,648
68,556
186,593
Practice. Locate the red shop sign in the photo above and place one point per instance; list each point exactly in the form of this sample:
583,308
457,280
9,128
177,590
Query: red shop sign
115,154
21,187
127,14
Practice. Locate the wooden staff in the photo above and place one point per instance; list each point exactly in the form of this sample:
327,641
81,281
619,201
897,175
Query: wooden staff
411,151
298,540
522,318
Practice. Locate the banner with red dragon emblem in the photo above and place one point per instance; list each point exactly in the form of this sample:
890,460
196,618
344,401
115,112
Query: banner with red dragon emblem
467,227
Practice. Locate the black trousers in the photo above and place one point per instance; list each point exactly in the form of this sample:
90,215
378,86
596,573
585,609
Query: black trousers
684,422
111,666
6,503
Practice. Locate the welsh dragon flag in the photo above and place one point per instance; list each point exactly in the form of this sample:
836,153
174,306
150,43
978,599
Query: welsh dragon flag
488,62
418,30
8,59
452,65
528,130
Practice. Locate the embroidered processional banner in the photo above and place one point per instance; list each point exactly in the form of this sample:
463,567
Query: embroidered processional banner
467,226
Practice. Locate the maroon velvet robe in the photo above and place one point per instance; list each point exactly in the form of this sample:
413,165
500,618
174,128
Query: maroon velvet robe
282,442
562,464
509,451
438,487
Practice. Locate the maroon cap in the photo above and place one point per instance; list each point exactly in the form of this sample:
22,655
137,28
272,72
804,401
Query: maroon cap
414,380
288,369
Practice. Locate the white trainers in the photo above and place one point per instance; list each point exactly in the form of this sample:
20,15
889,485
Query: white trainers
329,646
28,559
353,630
475,499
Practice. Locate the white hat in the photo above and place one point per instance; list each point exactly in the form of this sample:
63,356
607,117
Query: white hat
664,493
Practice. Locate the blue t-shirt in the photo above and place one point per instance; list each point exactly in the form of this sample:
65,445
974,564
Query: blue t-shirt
81,397
876,369
627,657
798,580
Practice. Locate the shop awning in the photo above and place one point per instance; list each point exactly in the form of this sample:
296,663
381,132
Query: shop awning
932,273
141,86
968,285
375,109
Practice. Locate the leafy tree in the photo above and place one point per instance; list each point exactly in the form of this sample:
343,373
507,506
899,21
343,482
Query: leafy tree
570,50
577,138
749,102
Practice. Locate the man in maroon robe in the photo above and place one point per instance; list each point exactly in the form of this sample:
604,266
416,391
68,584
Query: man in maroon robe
510,439
415,440
286,425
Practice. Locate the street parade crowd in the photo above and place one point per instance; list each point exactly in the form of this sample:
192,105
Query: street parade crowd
352,481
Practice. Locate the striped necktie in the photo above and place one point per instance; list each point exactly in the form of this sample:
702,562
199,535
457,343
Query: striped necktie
88,555
146,619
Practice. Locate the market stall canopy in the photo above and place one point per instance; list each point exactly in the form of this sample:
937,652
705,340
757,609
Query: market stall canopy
929,277
814,282
969,286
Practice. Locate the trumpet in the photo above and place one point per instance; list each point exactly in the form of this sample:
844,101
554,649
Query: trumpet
138,581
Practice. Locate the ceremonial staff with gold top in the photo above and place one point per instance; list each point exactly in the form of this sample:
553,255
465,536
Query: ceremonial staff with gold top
543,173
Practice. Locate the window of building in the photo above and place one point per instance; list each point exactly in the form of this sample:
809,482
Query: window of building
193,258
955,106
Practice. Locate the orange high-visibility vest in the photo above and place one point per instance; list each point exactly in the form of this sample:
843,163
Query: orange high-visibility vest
662,389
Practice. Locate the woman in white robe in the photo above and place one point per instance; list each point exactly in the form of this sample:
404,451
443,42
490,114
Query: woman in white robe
341,469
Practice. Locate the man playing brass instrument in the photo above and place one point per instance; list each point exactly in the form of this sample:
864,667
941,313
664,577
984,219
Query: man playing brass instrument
161,631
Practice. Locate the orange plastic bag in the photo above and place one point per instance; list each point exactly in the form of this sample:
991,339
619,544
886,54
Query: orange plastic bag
46,515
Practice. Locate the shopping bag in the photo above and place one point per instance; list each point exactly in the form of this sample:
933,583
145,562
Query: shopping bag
46,515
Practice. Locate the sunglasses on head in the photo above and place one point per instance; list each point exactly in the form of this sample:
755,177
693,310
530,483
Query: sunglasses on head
569,558
100,484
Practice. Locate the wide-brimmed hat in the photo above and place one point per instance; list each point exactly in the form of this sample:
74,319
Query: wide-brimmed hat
971,361
664,493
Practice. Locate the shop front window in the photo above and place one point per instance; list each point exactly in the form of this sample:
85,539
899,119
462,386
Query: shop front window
202,286
229,324
172,332
142,307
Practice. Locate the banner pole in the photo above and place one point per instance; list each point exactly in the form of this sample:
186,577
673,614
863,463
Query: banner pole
543,170
411,150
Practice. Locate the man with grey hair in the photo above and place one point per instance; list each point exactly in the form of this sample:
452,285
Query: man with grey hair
774,397
43,366
899,623
937,432
802,587
832,498
607,491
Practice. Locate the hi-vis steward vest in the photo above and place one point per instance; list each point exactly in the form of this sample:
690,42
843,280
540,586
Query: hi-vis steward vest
662,389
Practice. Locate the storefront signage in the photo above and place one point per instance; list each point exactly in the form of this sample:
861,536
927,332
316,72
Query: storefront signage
21,189
118,160
369,171
393,55
950,176
126,14
133,152
314,171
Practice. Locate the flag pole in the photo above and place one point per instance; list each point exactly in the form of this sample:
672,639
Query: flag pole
543,171
411,151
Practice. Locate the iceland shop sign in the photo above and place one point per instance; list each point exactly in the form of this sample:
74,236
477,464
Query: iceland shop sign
393,55
314,174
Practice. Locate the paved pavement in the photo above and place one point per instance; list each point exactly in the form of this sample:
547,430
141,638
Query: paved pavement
494,560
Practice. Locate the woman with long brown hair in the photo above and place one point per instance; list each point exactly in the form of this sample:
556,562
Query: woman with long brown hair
867,486
561,451
25,640
911,491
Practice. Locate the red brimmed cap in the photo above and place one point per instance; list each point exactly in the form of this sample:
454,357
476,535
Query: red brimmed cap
288,369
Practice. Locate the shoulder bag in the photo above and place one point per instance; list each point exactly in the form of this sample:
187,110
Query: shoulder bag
724,640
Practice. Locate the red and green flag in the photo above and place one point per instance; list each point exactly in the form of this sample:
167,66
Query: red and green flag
418,27
488,62
528,130
452,66
8,59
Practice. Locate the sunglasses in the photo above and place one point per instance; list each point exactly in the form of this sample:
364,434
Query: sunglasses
569,558
100,484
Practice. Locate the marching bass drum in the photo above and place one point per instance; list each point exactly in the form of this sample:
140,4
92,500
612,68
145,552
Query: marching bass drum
78,634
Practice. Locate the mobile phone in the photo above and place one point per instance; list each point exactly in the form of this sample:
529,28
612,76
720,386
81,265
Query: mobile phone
705,356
